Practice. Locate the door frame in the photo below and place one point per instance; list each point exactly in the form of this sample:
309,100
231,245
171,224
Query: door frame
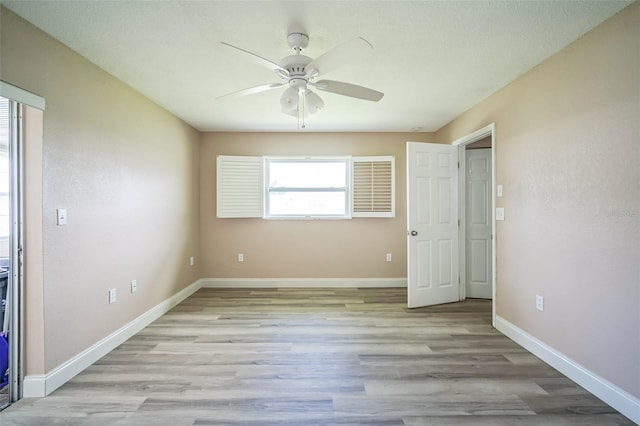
15,284
461,143
23,255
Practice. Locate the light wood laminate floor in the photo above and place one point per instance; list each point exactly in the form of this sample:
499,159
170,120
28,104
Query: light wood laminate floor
317,357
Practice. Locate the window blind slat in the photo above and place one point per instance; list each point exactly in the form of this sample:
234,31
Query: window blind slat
373,186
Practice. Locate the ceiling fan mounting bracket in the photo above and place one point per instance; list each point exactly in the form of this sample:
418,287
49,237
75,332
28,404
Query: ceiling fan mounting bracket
298,41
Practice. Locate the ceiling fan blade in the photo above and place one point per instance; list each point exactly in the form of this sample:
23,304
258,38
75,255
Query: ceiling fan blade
348,89
258,60
252,90
356,49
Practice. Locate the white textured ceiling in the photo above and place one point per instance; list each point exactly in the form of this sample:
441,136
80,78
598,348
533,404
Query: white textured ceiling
432,59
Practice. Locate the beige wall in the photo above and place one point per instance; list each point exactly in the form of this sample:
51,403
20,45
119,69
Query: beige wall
299,248
568,157
127,173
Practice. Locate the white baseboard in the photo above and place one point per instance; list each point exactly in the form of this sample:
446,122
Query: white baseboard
619,399
34,385
303,282
38,386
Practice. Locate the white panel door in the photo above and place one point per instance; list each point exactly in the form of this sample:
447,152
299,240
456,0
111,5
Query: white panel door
432,220
478,226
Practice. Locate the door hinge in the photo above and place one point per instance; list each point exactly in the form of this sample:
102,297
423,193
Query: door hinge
458,164
458,222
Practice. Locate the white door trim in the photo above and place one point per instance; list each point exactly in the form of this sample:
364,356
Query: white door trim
17,94
489,130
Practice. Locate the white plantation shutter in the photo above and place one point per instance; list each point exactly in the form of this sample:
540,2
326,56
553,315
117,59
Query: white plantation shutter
239,186
373,186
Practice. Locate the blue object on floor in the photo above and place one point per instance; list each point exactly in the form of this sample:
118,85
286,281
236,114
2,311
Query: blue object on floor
4,276
4,360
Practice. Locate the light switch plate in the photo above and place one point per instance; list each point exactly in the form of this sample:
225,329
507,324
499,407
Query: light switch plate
500,213
499,191
62,216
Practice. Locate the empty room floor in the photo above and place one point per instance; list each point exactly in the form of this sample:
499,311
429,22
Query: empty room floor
317,357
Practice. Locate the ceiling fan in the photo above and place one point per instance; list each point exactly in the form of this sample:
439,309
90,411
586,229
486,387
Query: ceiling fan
299,73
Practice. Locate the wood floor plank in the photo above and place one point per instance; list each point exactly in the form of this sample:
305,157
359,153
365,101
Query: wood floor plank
317,357
430,387
538,420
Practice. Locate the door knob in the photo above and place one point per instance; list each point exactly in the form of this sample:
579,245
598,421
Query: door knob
414,233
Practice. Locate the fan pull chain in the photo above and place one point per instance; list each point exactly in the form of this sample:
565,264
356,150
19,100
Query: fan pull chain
301,102
304,94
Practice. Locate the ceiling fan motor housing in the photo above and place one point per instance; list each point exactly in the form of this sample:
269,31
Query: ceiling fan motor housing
295,64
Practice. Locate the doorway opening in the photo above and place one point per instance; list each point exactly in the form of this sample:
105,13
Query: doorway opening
9,126
21,127
477,234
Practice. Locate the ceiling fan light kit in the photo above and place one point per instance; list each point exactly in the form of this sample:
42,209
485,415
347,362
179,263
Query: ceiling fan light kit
289,100
299,72
313,103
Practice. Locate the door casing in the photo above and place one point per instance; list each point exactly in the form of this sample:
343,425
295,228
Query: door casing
489,130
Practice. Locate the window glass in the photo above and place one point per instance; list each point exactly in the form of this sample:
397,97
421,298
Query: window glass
309,187
308,174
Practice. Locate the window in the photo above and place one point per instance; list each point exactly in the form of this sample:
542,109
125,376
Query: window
305,187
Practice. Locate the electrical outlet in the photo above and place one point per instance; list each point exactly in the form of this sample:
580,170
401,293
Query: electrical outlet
539,302
388,257
240,257
191,261
112,296
134,286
